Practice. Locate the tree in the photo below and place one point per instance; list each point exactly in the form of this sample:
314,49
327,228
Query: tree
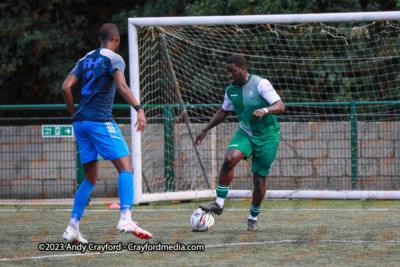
45,38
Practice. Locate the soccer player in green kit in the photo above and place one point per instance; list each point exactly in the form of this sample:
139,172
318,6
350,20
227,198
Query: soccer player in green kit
255,101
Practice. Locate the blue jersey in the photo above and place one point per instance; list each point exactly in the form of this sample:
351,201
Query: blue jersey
96,71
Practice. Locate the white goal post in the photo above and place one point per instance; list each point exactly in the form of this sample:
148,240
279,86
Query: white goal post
184,193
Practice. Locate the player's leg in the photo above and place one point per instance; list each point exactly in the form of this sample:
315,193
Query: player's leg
125,185
89,158
91,170
125,191
232,158
259,190
82,195
263,157
112,146
238,149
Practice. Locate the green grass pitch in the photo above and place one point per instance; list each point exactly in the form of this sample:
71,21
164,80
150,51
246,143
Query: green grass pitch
291,233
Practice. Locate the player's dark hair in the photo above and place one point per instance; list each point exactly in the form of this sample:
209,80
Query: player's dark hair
236,59
108,32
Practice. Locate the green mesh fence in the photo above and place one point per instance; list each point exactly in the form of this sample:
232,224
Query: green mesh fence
35,166
341,152
40,161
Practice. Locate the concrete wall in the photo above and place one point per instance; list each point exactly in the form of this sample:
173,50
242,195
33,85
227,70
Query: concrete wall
312,155
32,167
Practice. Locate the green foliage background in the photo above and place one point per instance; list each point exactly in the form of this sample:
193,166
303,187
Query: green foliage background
43,39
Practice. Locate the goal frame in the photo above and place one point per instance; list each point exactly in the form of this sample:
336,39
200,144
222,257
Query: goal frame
139,197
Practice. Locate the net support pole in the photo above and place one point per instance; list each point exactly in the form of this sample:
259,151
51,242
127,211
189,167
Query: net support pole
214,160
354,145
136,155
169,155
80,175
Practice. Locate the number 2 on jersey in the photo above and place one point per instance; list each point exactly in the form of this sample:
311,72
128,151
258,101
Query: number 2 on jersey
85,89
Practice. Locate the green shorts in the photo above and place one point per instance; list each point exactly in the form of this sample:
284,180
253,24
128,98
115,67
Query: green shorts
263,150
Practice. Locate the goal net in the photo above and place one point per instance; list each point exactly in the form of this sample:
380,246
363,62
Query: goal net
338,75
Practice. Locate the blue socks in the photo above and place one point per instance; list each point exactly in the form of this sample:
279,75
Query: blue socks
125,190
81,198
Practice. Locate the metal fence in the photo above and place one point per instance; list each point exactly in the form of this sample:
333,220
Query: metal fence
39,159
38,162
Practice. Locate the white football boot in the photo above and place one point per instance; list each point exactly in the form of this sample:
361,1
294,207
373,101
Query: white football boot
73,236
131,227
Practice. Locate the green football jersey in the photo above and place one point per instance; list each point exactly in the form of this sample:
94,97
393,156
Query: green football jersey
246,99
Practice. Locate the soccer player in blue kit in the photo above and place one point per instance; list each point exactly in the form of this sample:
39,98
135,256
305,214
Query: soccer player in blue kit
101,72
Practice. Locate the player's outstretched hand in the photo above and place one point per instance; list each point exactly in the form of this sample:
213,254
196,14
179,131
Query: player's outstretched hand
200,137
141,121
259,113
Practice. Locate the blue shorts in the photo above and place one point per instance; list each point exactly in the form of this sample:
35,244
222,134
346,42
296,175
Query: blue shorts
102,138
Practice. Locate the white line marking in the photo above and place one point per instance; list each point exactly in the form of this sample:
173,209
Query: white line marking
298,241
160,210
207,246
60,256
294,209
58,210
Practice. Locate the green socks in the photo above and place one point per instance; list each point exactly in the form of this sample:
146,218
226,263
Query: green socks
254,211
222,191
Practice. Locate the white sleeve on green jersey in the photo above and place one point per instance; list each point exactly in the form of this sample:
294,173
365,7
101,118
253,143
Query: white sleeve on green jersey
267,91
227,105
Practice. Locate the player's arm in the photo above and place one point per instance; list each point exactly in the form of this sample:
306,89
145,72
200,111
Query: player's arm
126,93
217,119
66,90
266,90
276,108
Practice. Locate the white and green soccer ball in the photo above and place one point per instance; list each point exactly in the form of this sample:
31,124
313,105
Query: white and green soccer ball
201,220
